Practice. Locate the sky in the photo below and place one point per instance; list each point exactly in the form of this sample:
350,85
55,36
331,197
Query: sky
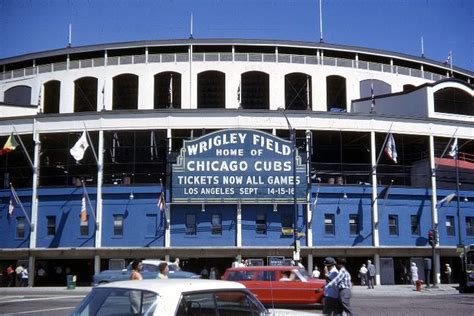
28,26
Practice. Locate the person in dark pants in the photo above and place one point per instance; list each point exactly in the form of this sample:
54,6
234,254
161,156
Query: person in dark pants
343,282
370,275
332,305
427,264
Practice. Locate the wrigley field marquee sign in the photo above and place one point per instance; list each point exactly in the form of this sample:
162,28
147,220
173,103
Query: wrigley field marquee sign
240,165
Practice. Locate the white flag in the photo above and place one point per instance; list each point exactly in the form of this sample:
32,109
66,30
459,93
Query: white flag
454,149
80,147
447,199
391,148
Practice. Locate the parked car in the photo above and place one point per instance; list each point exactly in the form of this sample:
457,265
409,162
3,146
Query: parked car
278,285
170,297
150,271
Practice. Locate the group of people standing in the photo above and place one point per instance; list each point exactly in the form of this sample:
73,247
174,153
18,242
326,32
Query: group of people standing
367,274
337,291
17,276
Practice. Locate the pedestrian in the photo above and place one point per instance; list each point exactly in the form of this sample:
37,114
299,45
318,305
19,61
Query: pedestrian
135,296
447,273
41,275
177,263
363,274
137,267
332,305
343,283
236,263
370,275
205,273
24,277
414,273
18,271
213,274
10,276
316,273
163,270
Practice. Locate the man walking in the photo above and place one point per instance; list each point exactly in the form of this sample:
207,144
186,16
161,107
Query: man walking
343,282
370,275
332,305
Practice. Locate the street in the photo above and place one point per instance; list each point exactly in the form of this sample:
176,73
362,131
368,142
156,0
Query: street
383,300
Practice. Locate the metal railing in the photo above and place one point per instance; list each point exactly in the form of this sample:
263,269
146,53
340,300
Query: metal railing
218,57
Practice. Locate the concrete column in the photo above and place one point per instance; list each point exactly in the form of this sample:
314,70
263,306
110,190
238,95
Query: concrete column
31,271
167,205
377,268
239,226
100,173
375,217
96,264
434,211
34,193
310,264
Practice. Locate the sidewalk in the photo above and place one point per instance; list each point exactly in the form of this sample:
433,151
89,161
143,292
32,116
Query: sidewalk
80,290
404,290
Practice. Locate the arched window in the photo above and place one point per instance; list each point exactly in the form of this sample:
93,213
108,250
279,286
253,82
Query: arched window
298,91
125,92
52,90
453,100
254,90
18,95
167,90
85,94
211,89
336,93
380,87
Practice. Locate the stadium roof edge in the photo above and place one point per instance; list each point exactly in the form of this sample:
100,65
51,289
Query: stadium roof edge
230,41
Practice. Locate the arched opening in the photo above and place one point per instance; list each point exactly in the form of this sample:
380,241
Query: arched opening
380,87
254,90
85,94
167,90
125,92
298,91
52,91
336,93
453,100
211,90
408,87
18,95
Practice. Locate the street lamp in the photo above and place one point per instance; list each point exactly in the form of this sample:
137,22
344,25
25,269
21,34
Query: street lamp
296,249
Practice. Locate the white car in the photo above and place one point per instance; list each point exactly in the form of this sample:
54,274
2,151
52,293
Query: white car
178,297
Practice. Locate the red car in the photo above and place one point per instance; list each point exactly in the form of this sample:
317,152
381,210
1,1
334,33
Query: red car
279,284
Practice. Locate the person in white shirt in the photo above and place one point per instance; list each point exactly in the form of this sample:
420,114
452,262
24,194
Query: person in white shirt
363,274
316,273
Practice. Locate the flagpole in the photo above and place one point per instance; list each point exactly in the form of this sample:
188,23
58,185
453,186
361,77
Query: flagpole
91,143
17,136
18,201
458,206
320,21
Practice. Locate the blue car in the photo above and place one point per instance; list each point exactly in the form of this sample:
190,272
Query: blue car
150,271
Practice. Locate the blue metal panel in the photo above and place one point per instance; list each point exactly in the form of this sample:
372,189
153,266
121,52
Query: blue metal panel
204,236
333,201
8,237
135,214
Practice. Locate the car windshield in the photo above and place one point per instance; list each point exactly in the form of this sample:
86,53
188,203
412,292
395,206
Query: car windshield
117,301
304,274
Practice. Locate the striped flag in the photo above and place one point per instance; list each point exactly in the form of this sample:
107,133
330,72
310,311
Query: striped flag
454,149
12,204
161,201
9,146
447,61
83,209
391,148
372,96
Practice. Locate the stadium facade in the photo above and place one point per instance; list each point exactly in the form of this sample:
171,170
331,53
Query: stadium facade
208,150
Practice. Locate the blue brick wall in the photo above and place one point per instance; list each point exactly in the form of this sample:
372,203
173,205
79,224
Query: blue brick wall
342,203
274,236
204,236
65,204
